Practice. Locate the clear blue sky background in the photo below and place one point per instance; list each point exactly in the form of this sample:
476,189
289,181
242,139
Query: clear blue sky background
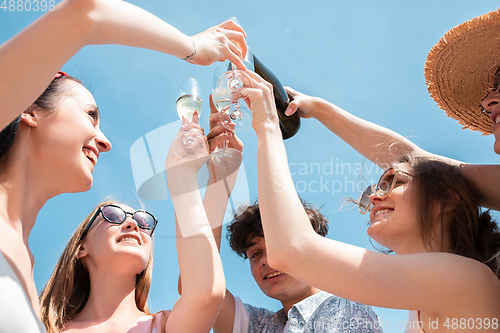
365,56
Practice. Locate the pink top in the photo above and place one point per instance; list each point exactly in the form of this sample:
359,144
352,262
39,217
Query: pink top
414,325
143,325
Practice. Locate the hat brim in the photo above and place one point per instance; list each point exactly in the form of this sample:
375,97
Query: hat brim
461,66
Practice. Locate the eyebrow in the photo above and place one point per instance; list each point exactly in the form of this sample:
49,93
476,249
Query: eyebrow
250,246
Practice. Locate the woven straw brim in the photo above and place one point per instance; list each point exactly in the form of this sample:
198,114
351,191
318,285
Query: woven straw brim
461,66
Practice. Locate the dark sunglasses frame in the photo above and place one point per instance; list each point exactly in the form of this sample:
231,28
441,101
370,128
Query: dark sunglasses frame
364,200
100,210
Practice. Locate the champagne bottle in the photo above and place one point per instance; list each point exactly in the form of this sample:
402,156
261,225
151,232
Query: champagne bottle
289,125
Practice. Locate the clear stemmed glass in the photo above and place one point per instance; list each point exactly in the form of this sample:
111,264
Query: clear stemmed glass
224,156
233,86
189,145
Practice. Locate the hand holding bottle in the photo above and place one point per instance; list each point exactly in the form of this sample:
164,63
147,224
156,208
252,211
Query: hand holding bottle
304,105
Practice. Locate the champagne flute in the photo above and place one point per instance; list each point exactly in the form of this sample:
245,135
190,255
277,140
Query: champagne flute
231,87
189,145
223,157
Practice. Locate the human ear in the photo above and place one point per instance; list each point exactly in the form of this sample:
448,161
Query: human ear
453,201
30,117
82,251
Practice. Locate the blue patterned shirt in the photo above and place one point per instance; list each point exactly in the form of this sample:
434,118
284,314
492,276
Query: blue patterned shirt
319,313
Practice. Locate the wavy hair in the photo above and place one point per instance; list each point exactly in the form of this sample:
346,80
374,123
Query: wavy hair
471,231
68,288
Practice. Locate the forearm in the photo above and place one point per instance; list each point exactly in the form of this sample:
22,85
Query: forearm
199,261
216,198
378,144
29,60
384,147
284,219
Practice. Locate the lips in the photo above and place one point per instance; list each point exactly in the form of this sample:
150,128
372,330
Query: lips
129,238
376,211
91,154
273,274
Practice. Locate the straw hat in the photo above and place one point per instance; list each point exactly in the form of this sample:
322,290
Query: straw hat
461,66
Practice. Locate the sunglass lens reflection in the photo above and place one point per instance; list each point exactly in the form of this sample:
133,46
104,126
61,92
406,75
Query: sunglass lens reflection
144,219
114,214
364,200
385,182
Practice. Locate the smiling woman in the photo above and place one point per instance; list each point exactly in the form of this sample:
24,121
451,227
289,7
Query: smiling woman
447,266
51,147
99,250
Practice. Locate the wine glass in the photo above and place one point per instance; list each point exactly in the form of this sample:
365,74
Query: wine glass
189,145
224,156
233,86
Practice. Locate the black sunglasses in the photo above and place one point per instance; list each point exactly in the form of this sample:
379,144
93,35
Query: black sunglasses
117,215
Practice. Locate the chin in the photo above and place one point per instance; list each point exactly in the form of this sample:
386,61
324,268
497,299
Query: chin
496,145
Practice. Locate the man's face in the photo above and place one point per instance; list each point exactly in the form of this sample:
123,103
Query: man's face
273,283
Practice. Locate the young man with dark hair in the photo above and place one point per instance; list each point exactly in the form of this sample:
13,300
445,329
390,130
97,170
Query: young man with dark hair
305,309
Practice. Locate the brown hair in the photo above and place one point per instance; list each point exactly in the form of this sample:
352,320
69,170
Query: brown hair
471,231
48,101
68,288
248,224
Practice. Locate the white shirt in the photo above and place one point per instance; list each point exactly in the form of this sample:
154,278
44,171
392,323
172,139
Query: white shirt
16,313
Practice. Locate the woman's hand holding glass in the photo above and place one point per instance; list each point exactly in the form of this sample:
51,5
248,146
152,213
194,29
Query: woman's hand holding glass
227,159
231,115
223,41
231,88
175,162
261,102
189,144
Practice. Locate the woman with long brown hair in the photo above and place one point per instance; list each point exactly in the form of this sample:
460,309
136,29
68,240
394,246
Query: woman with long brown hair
52,145
101,281
446,271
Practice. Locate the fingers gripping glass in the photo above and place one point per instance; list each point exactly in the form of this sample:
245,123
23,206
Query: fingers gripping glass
117,215
384,187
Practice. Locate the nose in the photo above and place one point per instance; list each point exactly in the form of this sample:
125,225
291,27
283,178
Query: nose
491,101
103,144
263,259
130,223
374,197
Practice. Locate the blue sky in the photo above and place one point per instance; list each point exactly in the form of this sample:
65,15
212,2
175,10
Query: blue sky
365,56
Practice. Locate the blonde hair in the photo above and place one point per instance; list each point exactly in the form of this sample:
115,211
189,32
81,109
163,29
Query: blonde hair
68,288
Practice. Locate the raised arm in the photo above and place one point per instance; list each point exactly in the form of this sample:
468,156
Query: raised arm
201,274
383,146
29,60
420,281
220,185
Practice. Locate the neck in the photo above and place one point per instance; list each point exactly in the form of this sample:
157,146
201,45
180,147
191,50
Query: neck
112,295
21,198
25,186
289,303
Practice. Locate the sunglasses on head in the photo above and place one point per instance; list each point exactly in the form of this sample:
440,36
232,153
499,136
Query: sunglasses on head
117,215
384,187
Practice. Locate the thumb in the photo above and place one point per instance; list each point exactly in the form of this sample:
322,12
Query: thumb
292,108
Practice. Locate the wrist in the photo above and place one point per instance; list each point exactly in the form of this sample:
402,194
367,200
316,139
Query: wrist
268,129
320,108
190,57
